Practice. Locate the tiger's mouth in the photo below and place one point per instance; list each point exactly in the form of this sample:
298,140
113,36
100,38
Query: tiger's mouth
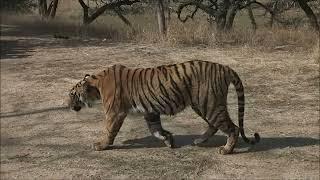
82,104
76,108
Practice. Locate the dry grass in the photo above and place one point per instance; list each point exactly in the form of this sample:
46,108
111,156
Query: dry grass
200,33
197,32
316,52
271,38
33,25
38,142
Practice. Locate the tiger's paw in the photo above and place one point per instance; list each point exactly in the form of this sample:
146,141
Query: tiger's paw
224,151
98,146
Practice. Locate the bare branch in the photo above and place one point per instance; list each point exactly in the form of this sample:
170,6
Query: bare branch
48,11
84,6
310,14
198,5
303,4
188,16
112,5
272,13
121,16
258,3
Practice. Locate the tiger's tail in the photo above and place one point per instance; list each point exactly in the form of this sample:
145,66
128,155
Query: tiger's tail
236,81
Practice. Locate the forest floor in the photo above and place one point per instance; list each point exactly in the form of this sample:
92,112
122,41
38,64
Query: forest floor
41,140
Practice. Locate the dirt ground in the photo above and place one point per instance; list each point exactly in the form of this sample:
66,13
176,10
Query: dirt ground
40,140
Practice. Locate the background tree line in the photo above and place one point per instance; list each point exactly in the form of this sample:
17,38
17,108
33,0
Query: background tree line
220,13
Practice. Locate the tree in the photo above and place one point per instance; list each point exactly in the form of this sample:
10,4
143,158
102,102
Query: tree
312,17
223,11
23,6
278,7
160,16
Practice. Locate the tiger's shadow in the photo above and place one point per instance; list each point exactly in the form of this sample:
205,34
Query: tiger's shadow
265,144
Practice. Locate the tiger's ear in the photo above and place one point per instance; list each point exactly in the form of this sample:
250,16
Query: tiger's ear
86,76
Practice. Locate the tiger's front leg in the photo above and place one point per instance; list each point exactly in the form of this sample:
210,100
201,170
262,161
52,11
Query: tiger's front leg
155,127
111,127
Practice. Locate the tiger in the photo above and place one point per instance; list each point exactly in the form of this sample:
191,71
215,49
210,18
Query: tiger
164,90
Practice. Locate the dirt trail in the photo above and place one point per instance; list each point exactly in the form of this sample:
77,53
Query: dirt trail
39,140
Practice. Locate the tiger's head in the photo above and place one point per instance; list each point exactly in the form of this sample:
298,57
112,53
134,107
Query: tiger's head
84,93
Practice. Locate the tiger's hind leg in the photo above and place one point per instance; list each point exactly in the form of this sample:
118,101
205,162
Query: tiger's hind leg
209,132
224,123
155,127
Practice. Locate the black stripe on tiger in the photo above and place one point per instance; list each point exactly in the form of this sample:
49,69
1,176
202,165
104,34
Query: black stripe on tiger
213,92
176,71
155,103
187,84
115,85
132,89
220,81
205,103
216,80
197,77
166,96
161,107
176,91
142,102
121,68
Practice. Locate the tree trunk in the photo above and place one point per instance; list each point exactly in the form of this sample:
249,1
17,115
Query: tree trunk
271,20
274,11
85,9
161,17
54,9
251,16
47,11
221,15
169,11
89,19
221,22
232,14
42,4
312,17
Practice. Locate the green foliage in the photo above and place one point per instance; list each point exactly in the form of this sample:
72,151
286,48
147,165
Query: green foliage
22,6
